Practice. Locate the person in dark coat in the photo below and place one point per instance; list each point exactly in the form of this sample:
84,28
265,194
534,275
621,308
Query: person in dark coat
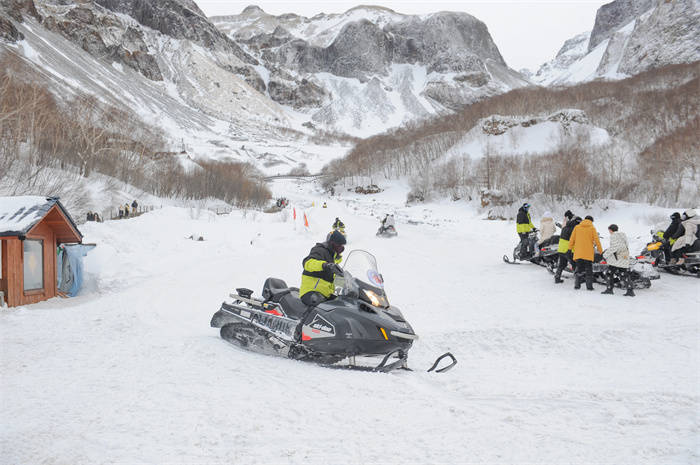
134,206
565,255
669,237
523,227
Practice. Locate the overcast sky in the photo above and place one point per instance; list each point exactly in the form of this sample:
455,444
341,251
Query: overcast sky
527,32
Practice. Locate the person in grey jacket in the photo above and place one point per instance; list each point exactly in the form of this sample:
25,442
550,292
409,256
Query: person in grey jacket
688,237
618,258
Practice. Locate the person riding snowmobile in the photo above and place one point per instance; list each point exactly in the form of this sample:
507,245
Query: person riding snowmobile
339,225
320,268
583,239
687,237
523,227
387,222
667,237
565,254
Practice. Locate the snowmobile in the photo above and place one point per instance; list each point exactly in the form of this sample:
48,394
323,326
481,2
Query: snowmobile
387,231
641,273
352,330
545,255
653,253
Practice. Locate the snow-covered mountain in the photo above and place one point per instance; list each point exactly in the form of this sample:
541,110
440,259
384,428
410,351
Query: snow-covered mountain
166,64
628,37
370,67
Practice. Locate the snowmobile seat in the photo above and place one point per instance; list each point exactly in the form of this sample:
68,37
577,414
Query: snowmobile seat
274,289
292,305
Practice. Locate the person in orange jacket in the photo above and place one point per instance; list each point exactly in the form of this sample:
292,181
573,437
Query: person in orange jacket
583,239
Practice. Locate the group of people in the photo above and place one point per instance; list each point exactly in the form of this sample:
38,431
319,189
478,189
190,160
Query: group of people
94,216
577,246
681,237
124,210
282,202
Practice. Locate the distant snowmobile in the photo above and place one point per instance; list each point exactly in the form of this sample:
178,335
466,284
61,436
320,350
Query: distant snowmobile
388,231
357,326
387,227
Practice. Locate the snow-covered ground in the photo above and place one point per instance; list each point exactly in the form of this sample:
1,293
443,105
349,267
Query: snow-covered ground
130,371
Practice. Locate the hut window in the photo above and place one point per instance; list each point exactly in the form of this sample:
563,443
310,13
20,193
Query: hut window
33,264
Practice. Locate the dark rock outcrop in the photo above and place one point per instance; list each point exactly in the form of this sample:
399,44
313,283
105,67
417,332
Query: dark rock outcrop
612,16
444,42
181,19
303,94
8,31
85,27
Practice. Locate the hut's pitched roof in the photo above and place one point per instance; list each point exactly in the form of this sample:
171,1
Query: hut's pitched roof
19,214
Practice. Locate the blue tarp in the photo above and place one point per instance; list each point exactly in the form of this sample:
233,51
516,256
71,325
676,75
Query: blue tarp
70,267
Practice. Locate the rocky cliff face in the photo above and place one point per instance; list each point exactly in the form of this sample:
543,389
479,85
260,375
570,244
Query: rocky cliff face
670,34
181,19
372,58
614,15
629,37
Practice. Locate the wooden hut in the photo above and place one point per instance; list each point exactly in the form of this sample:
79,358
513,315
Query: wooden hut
31,228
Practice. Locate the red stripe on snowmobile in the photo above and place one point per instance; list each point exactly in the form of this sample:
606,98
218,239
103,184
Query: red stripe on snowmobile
274,312
304,337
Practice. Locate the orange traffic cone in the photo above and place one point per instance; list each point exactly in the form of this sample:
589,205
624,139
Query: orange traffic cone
306,221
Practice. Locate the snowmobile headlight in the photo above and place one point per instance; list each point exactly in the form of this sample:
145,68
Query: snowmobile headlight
374,298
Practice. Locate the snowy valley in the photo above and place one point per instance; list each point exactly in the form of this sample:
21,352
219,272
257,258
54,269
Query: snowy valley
244,137
130,371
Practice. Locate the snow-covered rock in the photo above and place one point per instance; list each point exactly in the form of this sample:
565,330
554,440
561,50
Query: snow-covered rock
508,135
629,37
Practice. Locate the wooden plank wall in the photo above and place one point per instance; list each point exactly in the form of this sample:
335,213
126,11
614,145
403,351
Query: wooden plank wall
14,271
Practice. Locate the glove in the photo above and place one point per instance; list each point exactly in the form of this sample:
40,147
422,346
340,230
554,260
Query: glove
333,268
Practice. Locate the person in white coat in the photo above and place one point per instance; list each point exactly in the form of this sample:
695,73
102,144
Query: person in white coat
547,229
618,258
689,241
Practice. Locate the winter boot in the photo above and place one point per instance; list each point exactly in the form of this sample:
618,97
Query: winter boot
558,280
589,283
608,291
630,292
577,282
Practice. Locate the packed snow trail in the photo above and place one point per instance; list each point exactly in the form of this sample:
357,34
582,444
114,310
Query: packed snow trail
131,372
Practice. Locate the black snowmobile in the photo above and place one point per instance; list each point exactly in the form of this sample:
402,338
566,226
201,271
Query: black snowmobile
545,255
641,272
357,326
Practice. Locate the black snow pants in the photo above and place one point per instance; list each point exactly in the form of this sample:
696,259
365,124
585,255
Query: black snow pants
623,273
564,258
584,269
526,246
694,247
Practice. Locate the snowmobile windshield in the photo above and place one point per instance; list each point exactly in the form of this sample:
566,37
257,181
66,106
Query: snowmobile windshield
362,279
